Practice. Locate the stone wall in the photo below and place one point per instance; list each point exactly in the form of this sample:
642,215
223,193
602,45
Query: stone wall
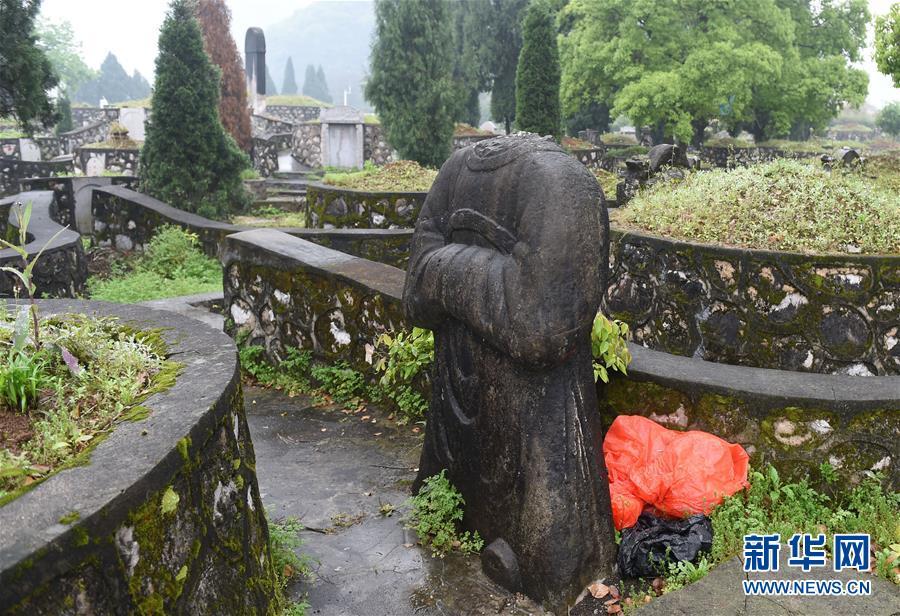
12,171
375,146
333,207
813,313
264,156
293,114
84,116
62,269
10,148
592,159
122,161
92,133
306,146
165,516
51,147
126,220
730,157
265,125
282,291
72,196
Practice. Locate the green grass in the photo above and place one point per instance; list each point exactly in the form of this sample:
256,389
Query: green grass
400,176
284,541
172,265
11,134
296,100
270,216
608,182
143,102
782,205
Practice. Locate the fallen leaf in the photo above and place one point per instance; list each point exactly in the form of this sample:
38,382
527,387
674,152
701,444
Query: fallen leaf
610,601
614,592
598,590
364,418
657,585
614,609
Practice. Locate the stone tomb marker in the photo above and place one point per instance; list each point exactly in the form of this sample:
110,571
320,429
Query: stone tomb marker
507,267
255,67
342,137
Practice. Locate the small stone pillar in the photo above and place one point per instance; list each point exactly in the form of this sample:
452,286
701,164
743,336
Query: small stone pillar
255,68
507,267
342,137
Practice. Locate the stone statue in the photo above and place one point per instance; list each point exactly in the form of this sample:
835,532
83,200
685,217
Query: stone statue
507,267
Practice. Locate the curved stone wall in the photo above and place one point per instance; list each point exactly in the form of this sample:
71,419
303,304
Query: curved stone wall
813,313
335,207
12,171
166,517
730,157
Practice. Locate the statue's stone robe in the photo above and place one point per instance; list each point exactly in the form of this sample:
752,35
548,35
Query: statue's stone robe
507,268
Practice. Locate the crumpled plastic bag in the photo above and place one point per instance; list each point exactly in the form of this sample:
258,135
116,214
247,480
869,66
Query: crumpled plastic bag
653,542
678,473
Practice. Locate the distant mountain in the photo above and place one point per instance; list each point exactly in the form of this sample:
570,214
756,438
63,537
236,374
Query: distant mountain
336,35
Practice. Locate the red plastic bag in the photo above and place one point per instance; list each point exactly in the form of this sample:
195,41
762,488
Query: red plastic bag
678,473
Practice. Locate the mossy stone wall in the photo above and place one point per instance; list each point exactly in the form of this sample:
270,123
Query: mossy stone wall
342,208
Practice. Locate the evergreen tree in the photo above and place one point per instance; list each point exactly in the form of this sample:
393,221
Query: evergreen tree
290,81
410,83
140,87
64,107
310,81
537,75
888,119
324,92
188,160
26,74
470,74
215,22
271,90
114,84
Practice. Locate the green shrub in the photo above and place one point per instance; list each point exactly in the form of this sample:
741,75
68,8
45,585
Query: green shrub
437,511
609,348
404,365
340,381
284,541
291,375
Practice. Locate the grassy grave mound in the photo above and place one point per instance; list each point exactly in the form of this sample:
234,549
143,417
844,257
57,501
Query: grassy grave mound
782,205
400,176
574,143
171,265
296,100
61,393
884,169
467,130
270,216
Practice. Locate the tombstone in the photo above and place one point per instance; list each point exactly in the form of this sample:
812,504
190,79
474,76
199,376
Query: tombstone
508,266
133,120
255,67
342,137
95,164
29,150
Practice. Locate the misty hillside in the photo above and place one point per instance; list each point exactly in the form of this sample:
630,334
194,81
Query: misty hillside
336,35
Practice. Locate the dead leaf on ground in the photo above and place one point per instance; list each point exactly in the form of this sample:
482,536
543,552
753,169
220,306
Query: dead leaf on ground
658,584
598,589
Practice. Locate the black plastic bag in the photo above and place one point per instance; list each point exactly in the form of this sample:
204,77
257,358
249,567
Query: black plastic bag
652,543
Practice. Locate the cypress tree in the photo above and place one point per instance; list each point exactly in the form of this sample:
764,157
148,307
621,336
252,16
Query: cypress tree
26,74
324,92
411,77
309,81
289,86
188,160
271,90
538,73
64,108
215,22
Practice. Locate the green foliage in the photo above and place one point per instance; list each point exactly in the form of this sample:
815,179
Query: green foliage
411,78
340,381
289,85
188,159
771,505
404,361
172,264
270,216
774,67
887,43
782,205
608,347
888,119
64,108
315,85
682,573
270,83
65,55
284,541
537,74
291,375
113,84
437,512
89,374
399,176
608,182
26,73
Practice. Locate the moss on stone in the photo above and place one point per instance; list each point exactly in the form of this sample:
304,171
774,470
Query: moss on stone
70,518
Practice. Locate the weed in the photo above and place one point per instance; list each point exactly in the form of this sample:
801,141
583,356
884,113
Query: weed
404,360
437,511
284,541
608,347
342,382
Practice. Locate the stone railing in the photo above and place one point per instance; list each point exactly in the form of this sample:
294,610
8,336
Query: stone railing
51,147
12,171
835,313
592,158
73,195
165,515
93,133
342,208
264,156
730,157
306,146
264,126
293,114
375,146
94,161
62,269
84,116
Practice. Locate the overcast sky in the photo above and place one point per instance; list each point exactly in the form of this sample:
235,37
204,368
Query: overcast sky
129,28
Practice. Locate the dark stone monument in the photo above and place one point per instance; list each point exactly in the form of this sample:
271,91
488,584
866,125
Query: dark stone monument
508,265
255,65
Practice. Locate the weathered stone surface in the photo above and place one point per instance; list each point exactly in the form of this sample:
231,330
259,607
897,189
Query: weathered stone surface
816,313
13,170
342,208
507,268
125,552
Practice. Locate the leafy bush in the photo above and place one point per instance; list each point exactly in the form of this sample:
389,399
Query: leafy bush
291,375
608,347
404,367
782,205
340,381
171,265
436,514
284,541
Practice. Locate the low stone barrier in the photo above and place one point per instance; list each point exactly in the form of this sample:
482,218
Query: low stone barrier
267,125
293,114
93,161
83,116
73,196
592,159
62,269
336,207
165,517
92,133
834,313
12,171
730,157
283,292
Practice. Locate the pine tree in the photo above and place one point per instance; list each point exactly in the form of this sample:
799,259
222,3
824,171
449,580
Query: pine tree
324,92
188,160
289,86
410,83
215,22
26,74
310,81
64,107
538,73
271,90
